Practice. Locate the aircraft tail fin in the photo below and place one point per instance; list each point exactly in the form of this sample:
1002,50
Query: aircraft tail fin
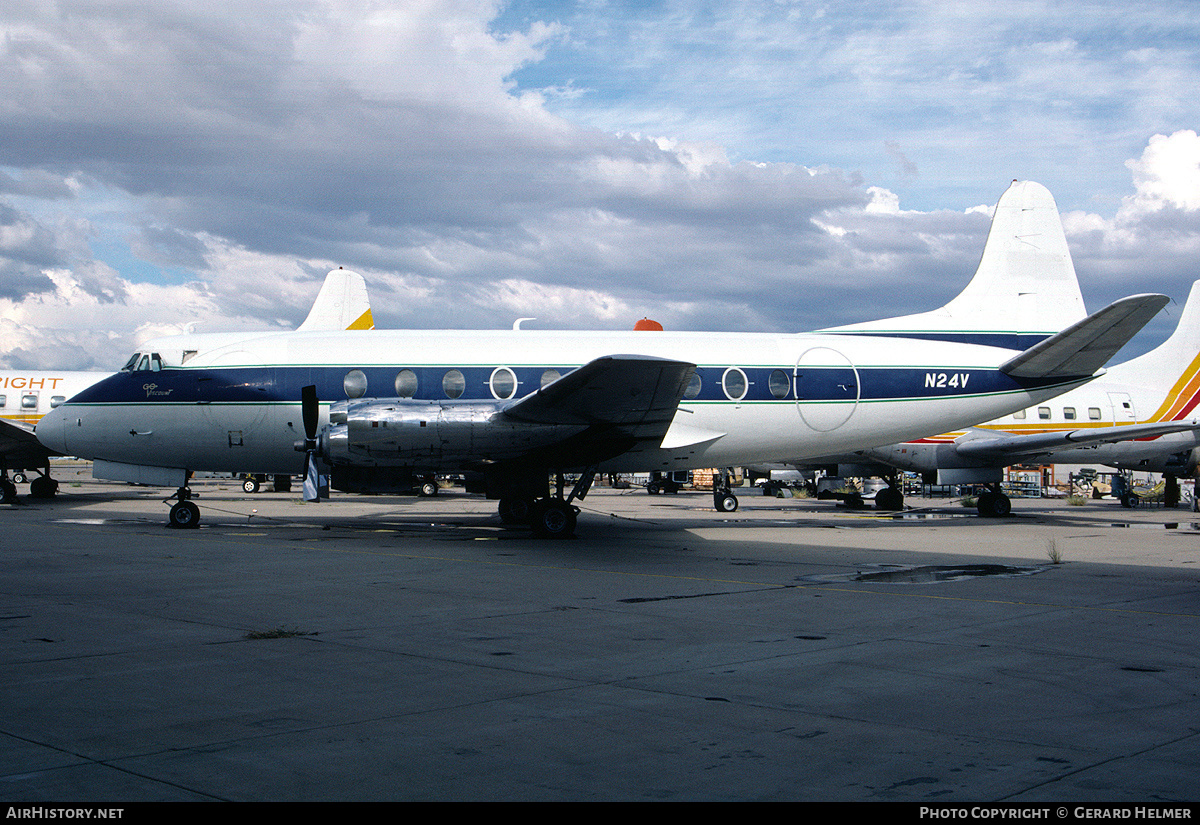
341,304
1173,366
1024,288
1086,345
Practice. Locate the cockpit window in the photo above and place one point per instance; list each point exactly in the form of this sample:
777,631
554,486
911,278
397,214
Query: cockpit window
143,362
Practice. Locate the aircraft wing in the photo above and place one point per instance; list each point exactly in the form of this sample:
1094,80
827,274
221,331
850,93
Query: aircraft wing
625,398
1086,345
19,447
1016,446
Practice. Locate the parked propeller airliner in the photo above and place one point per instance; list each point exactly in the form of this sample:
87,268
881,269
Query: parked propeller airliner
518,405
27,395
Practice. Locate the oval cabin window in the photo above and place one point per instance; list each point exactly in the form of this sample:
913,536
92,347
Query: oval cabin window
503,383
406,384
454,384
355,384
780,384
735,384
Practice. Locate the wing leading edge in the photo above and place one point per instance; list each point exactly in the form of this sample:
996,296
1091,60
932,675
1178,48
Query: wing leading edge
20,447
1017,446
630,398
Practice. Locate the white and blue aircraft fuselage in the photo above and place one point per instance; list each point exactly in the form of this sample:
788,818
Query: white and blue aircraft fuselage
519,404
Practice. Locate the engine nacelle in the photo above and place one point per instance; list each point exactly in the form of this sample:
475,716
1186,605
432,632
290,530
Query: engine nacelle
1181,464
432,435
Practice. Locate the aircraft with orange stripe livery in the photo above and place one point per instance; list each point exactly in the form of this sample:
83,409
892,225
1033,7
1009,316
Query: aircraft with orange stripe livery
1140,415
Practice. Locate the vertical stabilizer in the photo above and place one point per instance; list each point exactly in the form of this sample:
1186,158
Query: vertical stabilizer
1024,289
1172,368
341,304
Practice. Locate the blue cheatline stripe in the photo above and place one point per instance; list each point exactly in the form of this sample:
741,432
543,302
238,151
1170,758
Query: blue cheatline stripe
281,384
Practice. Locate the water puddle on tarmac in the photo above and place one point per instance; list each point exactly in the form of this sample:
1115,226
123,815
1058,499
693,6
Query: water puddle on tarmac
1170,525
928,574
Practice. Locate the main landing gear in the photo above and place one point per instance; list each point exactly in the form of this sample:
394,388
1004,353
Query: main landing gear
551,517
890,497
8,490
992,503
43,486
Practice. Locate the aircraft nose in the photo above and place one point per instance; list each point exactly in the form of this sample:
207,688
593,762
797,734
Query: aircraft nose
51,430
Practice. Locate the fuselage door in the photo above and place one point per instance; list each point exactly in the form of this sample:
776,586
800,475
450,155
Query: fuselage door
827,388
1122,407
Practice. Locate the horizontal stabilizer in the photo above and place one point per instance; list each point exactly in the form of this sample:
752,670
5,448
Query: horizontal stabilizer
1086,345
637,393
1015,446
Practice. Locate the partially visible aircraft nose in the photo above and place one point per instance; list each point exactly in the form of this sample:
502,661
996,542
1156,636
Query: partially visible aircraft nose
51,430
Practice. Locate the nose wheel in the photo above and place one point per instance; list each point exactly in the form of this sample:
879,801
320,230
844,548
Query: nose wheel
184,514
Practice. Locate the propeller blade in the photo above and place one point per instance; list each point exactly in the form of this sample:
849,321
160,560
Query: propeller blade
310,410
312,477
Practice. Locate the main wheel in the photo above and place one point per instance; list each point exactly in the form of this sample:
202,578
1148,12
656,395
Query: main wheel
1002,506
983,504
43,487
250,484
993,505
889,498
515,510
184,515
553,519
8,491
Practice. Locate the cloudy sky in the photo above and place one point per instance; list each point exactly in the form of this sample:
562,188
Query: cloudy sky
741,165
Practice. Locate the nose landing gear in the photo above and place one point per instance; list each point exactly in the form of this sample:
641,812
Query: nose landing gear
184,515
